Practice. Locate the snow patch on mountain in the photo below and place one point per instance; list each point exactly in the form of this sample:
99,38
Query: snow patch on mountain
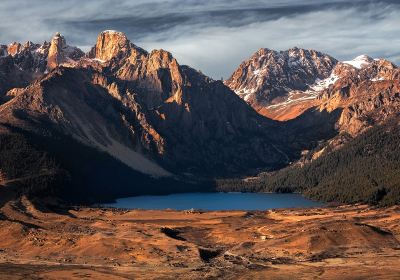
314,90
295,97
320,85
113,32
377,79
360,61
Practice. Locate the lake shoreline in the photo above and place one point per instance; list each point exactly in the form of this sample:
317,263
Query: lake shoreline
216,201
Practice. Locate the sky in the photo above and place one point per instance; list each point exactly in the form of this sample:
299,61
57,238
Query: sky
214,36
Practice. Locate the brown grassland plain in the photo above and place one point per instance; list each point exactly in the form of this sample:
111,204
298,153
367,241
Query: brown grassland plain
346,242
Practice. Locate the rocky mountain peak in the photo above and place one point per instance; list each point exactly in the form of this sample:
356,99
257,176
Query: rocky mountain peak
360,61
60,52
29,45
14,48
282,85
264,51
293,69
299,52
383,63
364,69
270,77
110,44
57,46
58,40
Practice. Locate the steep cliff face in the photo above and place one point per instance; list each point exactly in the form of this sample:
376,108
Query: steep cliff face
59,52
111,44
366,89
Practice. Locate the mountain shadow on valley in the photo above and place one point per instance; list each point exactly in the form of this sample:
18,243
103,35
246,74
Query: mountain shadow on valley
60,166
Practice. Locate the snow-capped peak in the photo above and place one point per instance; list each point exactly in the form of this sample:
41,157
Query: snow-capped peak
360,61
113,32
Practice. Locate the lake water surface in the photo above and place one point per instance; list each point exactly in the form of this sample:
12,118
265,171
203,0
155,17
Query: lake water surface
215,201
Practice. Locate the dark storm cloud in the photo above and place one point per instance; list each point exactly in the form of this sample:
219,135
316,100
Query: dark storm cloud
168,18
160,18
214,35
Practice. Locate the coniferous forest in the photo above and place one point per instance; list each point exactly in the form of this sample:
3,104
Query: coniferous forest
366,170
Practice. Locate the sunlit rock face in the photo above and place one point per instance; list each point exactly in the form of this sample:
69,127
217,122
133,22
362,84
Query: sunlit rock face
59,52
282,85
111,44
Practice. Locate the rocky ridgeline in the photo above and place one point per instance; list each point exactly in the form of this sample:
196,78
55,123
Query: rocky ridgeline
144,107
20,64
269,76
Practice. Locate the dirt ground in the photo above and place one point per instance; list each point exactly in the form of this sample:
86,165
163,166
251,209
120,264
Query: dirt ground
347,242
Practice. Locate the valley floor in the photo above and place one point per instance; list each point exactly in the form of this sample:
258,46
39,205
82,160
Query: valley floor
349,242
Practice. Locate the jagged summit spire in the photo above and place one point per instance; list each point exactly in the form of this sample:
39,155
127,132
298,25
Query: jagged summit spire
14,48
60,52
57,45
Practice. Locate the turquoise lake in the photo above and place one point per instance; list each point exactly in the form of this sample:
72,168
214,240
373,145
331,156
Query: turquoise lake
215,201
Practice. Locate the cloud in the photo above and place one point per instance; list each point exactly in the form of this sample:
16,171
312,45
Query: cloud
214,36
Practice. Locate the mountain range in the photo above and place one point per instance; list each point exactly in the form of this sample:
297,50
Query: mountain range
119,120
286,85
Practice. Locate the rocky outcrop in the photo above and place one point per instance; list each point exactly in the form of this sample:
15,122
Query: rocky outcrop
55,56
110,44
367,95
59,52
14,48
